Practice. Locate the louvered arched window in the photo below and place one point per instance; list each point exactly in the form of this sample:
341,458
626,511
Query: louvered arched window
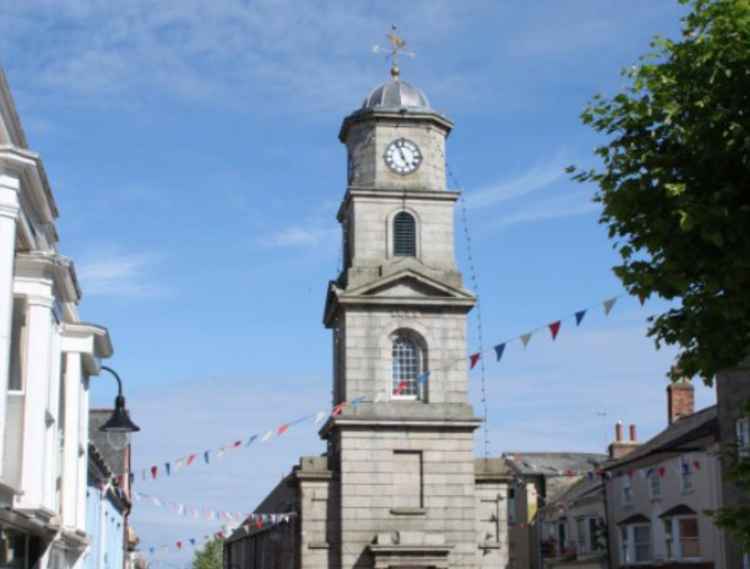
404,235
407,365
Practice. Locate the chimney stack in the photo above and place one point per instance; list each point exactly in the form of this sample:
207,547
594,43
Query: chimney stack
620,447
680,399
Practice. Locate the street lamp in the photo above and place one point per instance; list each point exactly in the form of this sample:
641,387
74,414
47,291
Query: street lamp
119,426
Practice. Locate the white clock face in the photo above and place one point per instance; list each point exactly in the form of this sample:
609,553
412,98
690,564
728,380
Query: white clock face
403,156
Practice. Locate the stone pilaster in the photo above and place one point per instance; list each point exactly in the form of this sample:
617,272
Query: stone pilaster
9,208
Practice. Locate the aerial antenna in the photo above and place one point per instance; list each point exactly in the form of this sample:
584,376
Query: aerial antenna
398,47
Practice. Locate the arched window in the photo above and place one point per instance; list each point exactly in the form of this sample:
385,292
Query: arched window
404,235
407,365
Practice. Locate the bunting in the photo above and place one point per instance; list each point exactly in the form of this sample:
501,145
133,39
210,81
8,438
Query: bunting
499,349
554,328
252,522
474,359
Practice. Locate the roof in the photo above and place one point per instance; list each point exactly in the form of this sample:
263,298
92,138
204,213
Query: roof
554,463
113,458
395,95
689,428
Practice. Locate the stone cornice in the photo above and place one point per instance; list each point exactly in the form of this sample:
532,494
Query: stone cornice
464,424
47,265
402,117
29,165
353,192
102,343
10,115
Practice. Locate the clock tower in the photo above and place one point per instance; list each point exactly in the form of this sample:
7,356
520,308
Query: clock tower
401,452
398,486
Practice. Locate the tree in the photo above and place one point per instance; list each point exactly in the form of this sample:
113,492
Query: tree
675,184
211,556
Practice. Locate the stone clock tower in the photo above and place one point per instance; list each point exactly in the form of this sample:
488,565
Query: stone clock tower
403,455
398,485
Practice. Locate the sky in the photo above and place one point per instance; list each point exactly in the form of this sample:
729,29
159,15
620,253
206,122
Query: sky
192,149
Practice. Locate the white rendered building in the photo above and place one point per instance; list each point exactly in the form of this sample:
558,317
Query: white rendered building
46,358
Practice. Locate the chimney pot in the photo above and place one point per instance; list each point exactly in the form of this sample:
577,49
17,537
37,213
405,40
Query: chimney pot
680,400
618,431
633,437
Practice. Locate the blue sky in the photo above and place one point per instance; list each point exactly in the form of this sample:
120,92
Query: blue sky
192,147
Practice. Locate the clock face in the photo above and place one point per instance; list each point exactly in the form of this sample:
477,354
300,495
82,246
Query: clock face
403,156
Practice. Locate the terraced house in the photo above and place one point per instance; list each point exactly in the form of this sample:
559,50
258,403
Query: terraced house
47,358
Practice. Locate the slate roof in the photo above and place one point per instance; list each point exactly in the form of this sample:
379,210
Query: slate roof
554,463
689,428
113,458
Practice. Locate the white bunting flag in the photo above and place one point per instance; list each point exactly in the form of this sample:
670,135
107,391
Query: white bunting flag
320,417
608,304
525,339
266,437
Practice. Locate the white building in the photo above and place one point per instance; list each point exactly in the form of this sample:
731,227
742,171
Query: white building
46,358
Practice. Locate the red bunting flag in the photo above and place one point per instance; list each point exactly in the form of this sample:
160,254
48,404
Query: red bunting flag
282,429
474,359
697,465
662,471
400,388
237,444
554,329
179,545
259,522
337,410
190,459
154,471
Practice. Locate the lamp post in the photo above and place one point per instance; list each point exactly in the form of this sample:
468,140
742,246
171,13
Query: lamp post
119,424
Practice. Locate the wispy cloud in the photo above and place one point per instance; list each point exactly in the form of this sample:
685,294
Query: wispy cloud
119,274
576,203
298,236
538,177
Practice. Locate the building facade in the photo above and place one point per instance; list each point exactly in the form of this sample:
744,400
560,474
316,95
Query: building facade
659,494
540,479
47,356
107,507
732,399
399,484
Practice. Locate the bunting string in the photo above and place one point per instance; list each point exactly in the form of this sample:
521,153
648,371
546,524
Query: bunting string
252,522
170,468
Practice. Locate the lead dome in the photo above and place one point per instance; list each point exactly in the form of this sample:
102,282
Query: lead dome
396,94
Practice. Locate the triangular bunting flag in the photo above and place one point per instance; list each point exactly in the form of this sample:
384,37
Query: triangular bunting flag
206,455
554,329
266,437
526,338
357,401
337,410
220,453
608,304
179,545
400,388
320,417
282,429
423,377
168,468
190,459
642,298
251,440
154,471
474,359
237,444
579,317
499,349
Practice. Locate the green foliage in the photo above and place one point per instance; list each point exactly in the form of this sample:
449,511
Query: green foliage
736,519
211,556
675,183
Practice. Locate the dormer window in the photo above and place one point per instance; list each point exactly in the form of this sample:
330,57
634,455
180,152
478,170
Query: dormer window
404,235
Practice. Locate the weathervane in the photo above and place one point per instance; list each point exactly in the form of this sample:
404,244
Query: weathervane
398,46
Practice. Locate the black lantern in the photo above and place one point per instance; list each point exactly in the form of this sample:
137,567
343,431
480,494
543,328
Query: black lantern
119,426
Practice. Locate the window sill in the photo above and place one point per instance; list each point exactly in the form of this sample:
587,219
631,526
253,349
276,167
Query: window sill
408,511
318,545
489,545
